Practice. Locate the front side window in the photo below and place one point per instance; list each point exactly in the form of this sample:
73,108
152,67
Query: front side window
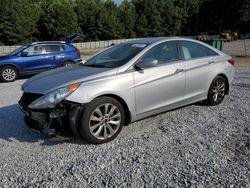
34,50
192,50
165,52
116,56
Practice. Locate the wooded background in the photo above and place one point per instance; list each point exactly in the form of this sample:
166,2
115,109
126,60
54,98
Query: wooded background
25,21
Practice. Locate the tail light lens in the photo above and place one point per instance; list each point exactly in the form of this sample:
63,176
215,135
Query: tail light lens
77,51
231,61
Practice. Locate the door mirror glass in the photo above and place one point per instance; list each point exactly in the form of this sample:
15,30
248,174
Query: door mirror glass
146,63
24,54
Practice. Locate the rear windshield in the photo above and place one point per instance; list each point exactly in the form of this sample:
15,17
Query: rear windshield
115,56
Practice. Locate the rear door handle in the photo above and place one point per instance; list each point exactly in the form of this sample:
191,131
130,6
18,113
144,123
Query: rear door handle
211,62
178,71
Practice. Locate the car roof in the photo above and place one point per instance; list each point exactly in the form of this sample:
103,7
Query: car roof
151,40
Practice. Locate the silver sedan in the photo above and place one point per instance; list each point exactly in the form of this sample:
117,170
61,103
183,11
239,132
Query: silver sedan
126,83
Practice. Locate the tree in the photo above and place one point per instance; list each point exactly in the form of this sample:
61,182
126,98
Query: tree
58,19
245,11
87,11
184,10
18,25
127,14
107,21
148,18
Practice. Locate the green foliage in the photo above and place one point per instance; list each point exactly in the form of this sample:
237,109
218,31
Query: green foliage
24,21
18,21
87,12
245,11
107,21
126,15
58,19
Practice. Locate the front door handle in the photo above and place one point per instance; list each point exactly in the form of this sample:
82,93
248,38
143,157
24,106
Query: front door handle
178,71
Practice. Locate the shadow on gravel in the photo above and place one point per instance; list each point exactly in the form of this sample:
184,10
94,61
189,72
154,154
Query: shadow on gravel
12,127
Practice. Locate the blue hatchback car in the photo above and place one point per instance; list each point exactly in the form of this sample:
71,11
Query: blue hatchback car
37,57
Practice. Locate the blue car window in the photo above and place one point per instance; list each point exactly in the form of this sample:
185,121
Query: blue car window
34,50
63,47
52,48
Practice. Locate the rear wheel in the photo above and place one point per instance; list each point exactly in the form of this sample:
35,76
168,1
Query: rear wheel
102,120
67,63
8,74
217,91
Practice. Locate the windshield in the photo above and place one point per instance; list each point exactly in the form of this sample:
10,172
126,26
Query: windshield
18,50
115,56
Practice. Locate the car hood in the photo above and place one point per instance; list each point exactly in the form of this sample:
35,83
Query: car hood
46,82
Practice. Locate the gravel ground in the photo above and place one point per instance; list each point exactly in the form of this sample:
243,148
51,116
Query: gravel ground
194,146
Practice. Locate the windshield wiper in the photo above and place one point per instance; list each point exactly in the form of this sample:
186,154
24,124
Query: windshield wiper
95,65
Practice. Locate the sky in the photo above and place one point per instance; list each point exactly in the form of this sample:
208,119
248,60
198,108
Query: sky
118,1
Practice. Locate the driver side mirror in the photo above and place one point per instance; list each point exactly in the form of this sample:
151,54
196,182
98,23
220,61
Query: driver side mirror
146,63
24,54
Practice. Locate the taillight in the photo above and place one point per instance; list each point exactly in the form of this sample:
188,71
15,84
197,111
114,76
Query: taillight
231,61
77,51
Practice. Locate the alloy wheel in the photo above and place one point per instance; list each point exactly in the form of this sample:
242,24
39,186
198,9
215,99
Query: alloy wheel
105,121
218,91
9,74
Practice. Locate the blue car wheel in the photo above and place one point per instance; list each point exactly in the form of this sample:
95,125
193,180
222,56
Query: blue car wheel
8,74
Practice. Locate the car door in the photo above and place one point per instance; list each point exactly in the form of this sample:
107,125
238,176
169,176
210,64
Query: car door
35,59
54,55
199,63
163,85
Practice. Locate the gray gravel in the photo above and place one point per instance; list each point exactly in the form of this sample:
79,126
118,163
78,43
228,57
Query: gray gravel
194,146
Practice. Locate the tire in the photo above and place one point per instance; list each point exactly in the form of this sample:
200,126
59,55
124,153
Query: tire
217,91
8,74
68,62
102,115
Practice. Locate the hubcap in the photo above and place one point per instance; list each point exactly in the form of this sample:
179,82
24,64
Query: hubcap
105,121
9,74
218,91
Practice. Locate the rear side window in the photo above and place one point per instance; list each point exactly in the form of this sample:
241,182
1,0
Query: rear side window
63,47
193,50
52,48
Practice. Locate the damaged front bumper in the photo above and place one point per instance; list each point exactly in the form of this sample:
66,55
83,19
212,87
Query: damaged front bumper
63,117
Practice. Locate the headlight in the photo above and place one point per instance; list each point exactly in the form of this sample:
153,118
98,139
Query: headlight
51,99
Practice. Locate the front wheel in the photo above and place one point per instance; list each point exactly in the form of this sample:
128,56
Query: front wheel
8,74
102,120
217,91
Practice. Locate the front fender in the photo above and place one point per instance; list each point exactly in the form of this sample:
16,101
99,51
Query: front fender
119,85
